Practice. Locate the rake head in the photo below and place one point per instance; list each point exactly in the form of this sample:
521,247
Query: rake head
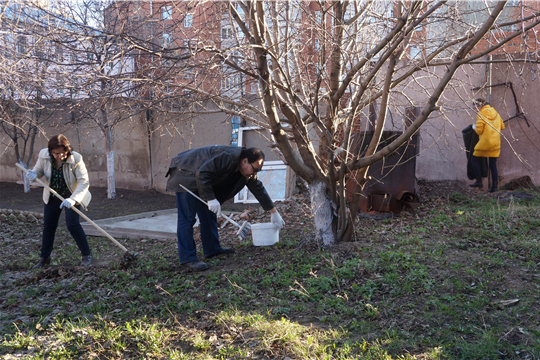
128,259
244,230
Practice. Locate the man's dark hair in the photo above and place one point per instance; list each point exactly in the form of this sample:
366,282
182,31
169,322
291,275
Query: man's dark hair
252,154
60,141
480,102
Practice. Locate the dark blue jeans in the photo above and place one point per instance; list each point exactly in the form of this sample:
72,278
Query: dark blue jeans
51,214
475,161
188,206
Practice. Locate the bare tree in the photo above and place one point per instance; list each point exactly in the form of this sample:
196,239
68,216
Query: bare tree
25,103
60,53
318,67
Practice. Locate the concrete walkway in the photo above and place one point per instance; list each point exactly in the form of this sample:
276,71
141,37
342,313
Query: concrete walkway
160,225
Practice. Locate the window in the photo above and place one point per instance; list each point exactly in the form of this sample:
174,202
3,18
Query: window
166,13
21,44
189,74
168,63
414,51
226,82
169,88
253,87
318,15
226,33
38,50
235,122
188,20
513,3
73,87
230,81
167,39
59,53
317,45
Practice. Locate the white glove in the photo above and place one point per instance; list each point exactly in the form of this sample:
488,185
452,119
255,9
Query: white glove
31,176
214,206
474,126
67,203
276,219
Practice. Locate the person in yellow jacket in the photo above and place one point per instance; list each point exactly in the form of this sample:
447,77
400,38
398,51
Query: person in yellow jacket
488,127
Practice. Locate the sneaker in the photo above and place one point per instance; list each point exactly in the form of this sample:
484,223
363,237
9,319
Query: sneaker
43,262
86,260
222,251
197,265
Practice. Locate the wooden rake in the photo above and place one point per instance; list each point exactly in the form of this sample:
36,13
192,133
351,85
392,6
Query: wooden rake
128,257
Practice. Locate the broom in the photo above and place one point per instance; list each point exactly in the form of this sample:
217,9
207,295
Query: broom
243,229
128,257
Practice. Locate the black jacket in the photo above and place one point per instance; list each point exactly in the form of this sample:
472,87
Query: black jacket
213,172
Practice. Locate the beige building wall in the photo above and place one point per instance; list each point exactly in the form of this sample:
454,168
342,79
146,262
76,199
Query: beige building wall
136,166
520,148
141,163
442,154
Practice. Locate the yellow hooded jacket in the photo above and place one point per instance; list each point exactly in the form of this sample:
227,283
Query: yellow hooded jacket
488,127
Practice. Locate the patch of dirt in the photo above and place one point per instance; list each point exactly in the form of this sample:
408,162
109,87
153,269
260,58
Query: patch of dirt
126,202
523,182
437,189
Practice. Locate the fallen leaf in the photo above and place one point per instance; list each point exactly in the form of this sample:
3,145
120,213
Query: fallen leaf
501,304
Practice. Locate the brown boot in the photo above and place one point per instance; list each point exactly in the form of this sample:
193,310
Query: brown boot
43,262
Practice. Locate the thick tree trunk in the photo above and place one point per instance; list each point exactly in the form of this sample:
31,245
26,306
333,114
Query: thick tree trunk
323,216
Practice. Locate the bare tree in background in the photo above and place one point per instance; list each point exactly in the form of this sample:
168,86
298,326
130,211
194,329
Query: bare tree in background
60,53
25,102
137,67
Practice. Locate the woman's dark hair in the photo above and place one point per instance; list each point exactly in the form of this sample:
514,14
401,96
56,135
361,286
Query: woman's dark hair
59,141
480,102
252,154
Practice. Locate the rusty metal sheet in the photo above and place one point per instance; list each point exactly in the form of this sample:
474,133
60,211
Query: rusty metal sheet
392,185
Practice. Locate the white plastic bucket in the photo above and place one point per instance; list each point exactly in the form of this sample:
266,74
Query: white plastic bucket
264,234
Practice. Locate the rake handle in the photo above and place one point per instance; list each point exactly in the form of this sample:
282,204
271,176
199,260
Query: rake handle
205,203
77,211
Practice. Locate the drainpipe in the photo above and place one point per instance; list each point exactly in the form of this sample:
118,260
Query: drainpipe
489,77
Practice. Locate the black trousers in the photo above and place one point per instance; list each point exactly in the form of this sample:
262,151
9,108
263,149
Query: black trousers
51,214
492,167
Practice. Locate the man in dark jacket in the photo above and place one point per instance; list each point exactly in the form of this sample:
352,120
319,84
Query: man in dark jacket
216,173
